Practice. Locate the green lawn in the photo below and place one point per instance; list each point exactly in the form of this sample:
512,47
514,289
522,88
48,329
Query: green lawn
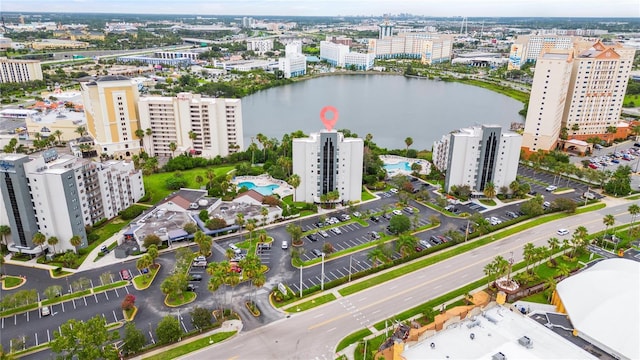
311,303
350,339
187,297
631,101
143,281
367,195
192,346
488,202
155,184
11,281
113,285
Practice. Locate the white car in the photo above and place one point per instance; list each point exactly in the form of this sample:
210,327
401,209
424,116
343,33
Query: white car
323,233
285,245
551,188
397,212
45,311
563,232
336,231
394,190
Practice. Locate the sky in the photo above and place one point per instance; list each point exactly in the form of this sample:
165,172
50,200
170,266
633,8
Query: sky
468,8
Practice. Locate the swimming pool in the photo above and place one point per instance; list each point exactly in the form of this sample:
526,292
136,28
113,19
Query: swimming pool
403,165
264,190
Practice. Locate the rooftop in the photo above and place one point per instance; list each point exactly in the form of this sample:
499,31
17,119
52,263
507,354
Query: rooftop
496,331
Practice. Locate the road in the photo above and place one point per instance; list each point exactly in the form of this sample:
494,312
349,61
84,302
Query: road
314,334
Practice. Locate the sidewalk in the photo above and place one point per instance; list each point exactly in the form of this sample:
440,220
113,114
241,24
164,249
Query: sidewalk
229,325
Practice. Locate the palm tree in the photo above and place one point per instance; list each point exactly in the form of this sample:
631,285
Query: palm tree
172,147
490,190
204,243
4,231
608,220
405,244
294,181
58,135
634,210
81,130
489,272
53,241
152,250
264,211
296,233
140,134
229,253
408,141
232,279
528,252
554,243
376,255
581,233
39,239
75,241
218,273
240,223
550,285
144,262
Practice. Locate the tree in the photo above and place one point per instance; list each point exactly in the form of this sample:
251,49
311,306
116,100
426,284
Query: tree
81,130
129,302
608,220
408,142
140,135
152,251
53,241
564,204
75,241
4,231
405,244
190,228
53,291
201,318
376,255
296,233
294,181
84,340
151,239
634,210
134,340
264,212
144,262
204,243
579,238
489,190
168,330
399,224
39,239
528,254
172,147
553,243
550,285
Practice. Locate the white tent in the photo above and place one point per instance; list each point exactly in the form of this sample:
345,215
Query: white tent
603,303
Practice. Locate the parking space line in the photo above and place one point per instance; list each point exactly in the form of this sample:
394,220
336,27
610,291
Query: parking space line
62,303
126,288
319,280
340,272
85,300
36,335
114,315
106,295
311,281
28,315
73,301
48,336
96,297
116,290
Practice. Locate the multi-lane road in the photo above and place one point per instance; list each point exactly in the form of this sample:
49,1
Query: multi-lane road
314,334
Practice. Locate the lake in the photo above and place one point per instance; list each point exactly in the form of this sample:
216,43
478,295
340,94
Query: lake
391,108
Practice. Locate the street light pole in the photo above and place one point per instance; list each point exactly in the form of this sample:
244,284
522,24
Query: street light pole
350,258
322,275
466,233
300,280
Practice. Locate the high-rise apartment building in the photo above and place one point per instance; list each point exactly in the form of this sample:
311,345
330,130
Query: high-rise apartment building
260,45
111,108
202,126
385,30
547,100
429,48
328,162
333,53
60,195
579,94
528,48
481,154
20,71
294,63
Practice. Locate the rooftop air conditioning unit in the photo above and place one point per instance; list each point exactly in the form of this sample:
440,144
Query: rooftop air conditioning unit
526,342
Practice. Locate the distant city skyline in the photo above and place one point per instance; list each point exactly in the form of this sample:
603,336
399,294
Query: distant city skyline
449,8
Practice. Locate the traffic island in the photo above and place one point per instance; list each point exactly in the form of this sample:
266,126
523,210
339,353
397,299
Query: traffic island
130,314
12,282
176,301
253,308
143,281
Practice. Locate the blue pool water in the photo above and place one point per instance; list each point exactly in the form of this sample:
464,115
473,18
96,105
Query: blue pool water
264,190
403,165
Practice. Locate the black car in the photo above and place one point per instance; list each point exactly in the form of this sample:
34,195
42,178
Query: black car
512,214
312,237
191,287
319,224
533,193
374,218
195,277
388,216
636,144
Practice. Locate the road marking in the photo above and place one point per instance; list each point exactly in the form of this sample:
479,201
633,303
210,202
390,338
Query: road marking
106,295
48,336
393,287
114,315
363,299
28,315
62,303
319,315
409,298
36,339
375,312
73,301
330,330
85,300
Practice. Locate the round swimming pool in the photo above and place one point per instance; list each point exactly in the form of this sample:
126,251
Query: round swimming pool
264,190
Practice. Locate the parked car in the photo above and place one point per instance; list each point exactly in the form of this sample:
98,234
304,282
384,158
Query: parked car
195,277
397,212
312,237
374,235
316,252
546,204
425,244
200,258
125,274
45,311
357,214
199,264
394,190
191,287
235,248
104,249
551,188
388,216
589,195
374,218
345,217
512,214
409,210
285,245
336,231
319,224
323,233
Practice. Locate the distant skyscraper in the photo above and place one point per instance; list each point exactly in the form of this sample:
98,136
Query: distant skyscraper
528,48
481,154
386,30
327,162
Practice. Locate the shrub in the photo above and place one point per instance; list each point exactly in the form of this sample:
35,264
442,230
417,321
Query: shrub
129,302
131,212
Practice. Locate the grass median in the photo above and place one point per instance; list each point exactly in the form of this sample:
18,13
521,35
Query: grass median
192,346
311,303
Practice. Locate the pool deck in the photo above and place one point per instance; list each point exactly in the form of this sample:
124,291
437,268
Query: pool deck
283,189
395,159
